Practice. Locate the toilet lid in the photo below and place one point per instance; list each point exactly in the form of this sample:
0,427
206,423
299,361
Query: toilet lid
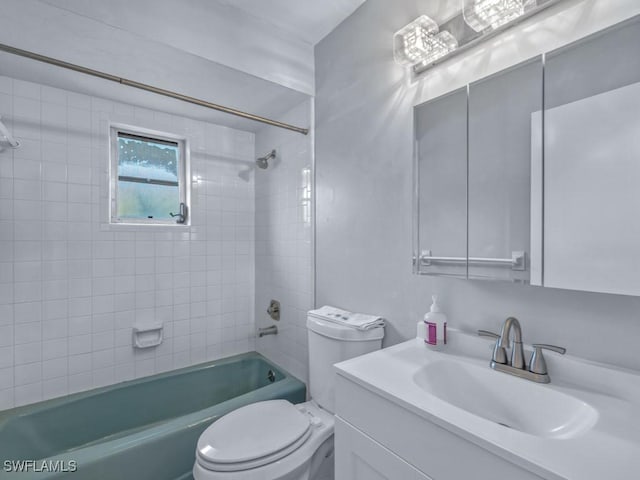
253,435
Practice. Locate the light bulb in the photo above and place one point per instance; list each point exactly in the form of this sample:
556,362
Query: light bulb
421,42
484,14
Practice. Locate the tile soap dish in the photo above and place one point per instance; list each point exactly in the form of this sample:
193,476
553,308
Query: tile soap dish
147,335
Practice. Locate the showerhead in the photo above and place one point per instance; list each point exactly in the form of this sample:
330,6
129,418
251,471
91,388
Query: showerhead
263,162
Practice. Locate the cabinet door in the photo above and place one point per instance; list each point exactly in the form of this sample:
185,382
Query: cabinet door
591,168
504,114
358,457
417,444
441,185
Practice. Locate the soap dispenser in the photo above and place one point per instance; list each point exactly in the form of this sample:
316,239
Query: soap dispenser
436,325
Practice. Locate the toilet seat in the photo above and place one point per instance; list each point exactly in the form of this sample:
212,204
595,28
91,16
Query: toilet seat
305,455
253,436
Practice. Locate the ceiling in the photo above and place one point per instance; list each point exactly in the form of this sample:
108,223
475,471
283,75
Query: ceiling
270,39
306,20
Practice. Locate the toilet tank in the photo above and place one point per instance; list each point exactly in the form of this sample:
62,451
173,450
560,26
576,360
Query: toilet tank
330,343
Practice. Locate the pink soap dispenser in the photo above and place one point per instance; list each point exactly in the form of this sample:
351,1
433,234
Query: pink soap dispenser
436,326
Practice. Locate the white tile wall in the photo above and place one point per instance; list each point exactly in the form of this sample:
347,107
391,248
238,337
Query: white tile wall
72,286
284,235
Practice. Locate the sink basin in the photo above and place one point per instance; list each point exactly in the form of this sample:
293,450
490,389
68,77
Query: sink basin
583,425
512,402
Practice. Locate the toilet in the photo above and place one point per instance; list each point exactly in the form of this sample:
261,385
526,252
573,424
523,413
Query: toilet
275,439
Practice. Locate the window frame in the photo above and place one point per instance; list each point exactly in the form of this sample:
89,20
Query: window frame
184,190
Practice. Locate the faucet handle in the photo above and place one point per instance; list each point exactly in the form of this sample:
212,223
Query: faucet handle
537,363
553,348
499,353
487,333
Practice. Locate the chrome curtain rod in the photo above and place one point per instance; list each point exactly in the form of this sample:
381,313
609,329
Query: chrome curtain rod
150,88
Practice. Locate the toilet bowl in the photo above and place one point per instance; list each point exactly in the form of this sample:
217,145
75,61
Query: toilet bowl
266,441
275,439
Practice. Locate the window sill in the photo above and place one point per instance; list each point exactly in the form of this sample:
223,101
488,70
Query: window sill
156,227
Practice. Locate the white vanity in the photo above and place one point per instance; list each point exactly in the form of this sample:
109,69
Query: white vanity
407,412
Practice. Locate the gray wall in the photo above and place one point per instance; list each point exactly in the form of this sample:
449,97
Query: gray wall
364,184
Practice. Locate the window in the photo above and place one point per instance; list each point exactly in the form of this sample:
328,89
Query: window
148,174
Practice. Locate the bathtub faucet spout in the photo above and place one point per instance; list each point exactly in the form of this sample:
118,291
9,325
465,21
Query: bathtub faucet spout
272,330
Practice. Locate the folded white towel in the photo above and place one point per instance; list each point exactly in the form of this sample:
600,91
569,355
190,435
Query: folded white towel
361,321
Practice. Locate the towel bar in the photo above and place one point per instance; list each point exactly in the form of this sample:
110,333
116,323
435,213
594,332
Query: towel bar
516,262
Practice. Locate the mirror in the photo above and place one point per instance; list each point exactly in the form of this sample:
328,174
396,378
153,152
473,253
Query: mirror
473,163
592,164
501,109
441,183
532,174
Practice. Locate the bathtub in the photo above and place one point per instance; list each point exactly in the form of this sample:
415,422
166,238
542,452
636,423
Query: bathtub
141,429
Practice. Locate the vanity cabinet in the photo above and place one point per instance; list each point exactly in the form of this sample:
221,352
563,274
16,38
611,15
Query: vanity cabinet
362,458
378,438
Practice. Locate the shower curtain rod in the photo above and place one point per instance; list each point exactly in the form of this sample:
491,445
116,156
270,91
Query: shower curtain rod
150,88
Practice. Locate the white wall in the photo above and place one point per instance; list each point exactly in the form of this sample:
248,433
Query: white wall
71,286
364,142
284,250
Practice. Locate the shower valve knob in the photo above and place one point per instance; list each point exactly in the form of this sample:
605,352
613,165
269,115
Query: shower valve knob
274,309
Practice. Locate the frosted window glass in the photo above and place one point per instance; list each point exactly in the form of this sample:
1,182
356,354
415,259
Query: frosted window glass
147,181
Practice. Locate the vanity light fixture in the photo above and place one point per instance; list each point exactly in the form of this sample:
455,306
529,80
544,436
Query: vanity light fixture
424,43
421,41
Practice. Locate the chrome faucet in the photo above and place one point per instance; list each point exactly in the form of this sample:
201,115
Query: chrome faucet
537,370
272,330
517,353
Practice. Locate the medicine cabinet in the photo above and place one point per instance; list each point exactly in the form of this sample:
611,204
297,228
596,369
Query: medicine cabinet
531,175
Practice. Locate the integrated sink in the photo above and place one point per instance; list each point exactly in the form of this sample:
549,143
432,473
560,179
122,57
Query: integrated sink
584,425
512,402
